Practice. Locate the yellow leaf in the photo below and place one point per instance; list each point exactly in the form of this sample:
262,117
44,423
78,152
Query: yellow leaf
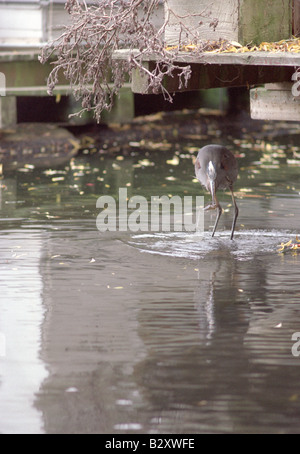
235,44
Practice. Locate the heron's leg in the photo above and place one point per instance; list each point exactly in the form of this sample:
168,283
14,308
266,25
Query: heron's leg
218,206
236,213
214,203
213,206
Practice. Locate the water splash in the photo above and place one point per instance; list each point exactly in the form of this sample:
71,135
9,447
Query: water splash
245,246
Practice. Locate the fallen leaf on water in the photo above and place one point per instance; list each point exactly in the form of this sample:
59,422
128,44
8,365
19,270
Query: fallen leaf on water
174,161
201,403
54,172
270,166
246,190
134,144
146,163
72,389
293,162
23,169
294,397
290,246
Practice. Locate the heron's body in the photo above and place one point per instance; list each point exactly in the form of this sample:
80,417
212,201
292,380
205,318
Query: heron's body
216,168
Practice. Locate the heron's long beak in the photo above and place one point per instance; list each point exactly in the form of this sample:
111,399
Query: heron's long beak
212,175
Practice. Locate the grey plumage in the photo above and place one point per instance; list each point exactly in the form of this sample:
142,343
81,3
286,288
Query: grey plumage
217,168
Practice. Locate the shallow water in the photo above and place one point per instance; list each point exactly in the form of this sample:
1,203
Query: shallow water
149,332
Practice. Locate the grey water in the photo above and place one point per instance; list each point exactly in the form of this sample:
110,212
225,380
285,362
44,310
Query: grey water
150,332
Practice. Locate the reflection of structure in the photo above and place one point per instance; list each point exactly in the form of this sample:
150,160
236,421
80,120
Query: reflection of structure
21,313
137,342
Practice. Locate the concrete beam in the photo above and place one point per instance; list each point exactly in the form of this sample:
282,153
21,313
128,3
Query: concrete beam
274,102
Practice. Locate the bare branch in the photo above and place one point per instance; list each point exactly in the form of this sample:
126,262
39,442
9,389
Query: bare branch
84,51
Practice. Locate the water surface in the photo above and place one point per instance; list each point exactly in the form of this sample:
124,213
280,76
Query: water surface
150,332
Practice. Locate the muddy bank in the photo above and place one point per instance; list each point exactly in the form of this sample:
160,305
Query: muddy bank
36,144
164,130
50,145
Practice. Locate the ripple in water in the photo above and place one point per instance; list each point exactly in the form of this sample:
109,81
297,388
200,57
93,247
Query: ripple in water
244,246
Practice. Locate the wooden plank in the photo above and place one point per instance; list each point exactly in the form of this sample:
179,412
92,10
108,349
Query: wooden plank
37,90
216,76
235,20
27,73
296,18
193,20
42,90
269,20
222,70
24,55
258,58
266,104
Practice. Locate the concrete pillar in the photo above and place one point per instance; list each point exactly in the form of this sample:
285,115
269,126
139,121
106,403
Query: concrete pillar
8,111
